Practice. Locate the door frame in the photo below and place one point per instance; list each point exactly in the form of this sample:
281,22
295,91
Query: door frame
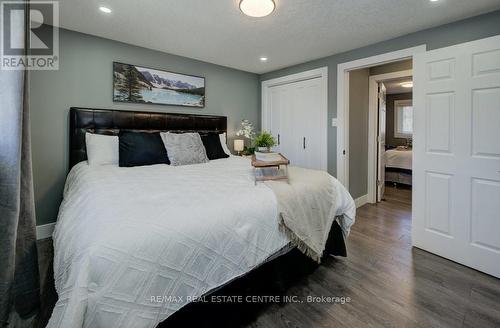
322,74
343,70
372,127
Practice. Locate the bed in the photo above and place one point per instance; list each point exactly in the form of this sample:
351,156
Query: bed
134,245
398,165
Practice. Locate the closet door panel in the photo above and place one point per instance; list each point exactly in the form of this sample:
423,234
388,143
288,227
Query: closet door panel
307,123
286,121
276,99
295,118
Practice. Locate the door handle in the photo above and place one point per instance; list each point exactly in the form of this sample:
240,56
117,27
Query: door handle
278,139
304,143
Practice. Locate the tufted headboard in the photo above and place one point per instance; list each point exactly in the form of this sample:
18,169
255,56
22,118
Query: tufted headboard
110,122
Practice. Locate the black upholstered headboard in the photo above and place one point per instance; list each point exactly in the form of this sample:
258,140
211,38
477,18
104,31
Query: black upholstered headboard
110,122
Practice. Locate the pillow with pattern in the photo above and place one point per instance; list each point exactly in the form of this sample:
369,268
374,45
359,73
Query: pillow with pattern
184,148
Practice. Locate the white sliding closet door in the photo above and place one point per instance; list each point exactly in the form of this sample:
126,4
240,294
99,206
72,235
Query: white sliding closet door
307,118
456,167
295,114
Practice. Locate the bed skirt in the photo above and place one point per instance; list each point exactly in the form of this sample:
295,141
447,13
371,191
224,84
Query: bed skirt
397,175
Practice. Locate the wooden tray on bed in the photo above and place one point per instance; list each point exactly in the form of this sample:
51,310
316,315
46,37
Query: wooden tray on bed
264,166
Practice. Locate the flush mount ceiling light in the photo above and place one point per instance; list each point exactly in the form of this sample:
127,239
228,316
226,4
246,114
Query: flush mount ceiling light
257,8
263,59
105,10
407,85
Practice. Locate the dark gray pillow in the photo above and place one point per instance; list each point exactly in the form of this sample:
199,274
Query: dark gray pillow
184,148
141,148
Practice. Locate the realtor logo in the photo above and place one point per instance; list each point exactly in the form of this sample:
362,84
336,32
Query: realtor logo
42,36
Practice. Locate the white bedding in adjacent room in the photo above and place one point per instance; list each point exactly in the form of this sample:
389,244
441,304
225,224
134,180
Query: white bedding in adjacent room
126,236
397,158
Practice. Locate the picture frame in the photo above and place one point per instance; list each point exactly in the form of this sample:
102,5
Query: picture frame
145,85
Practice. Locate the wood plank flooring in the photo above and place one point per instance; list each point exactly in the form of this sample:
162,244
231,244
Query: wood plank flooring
389,283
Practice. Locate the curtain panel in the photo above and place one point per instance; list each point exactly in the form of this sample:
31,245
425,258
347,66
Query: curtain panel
19,277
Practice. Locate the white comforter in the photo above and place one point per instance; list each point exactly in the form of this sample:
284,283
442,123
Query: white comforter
133,245
401,159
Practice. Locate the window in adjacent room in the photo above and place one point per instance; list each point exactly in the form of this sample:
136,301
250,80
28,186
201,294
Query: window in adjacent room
403,119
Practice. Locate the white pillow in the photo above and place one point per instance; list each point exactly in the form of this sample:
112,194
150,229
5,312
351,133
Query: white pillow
102,149
222,138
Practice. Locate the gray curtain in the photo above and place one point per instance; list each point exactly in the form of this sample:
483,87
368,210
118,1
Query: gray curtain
19,280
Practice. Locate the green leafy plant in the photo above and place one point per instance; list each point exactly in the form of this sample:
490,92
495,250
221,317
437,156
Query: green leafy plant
265,139
248,150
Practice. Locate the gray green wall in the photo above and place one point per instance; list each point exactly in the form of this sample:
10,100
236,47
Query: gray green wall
462,31
85,79
358,131
402,65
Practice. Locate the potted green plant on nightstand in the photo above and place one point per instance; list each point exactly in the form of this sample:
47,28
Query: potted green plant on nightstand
265,141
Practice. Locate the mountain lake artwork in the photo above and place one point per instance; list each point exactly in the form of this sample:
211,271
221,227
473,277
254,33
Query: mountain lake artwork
138,84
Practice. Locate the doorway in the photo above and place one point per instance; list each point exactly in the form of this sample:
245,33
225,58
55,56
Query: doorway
455,184
376,98
390,135
342,121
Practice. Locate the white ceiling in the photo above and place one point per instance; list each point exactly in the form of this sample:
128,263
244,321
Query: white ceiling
216,31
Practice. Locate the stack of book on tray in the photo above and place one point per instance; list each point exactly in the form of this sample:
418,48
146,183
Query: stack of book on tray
268,157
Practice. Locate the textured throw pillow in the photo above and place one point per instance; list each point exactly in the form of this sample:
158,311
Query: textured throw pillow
141,148
101,149
222,137
213,147
184,148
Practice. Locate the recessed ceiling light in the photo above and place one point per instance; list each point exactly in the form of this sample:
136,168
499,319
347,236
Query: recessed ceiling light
257,8
263,59
105,10
433,0
407,85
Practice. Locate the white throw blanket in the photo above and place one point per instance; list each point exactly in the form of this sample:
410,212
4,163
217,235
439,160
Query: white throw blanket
308,207
134,245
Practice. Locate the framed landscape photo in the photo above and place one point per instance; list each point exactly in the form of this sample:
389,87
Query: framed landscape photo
137,84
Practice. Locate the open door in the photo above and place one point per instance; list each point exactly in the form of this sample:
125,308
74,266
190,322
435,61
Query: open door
456,166
381,141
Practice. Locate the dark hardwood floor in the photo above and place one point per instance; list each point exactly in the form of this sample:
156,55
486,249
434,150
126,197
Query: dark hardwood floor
389,283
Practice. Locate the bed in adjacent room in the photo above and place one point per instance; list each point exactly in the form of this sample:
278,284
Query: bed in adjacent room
398,165
135,244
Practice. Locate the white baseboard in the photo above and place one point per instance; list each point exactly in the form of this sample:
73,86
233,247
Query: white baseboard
360,201
45,230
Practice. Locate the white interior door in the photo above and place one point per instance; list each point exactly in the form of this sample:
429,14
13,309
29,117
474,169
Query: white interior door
296,120
279,103
381,141
282,114
456,166
307,122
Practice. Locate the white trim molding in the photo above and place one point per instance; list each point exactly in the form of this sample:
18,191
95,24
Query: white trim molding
360,201
321,73
373,128
343,101
45,230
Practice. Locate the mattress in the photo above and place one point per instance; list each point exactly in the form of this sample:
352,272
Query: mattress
134,245
396,158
